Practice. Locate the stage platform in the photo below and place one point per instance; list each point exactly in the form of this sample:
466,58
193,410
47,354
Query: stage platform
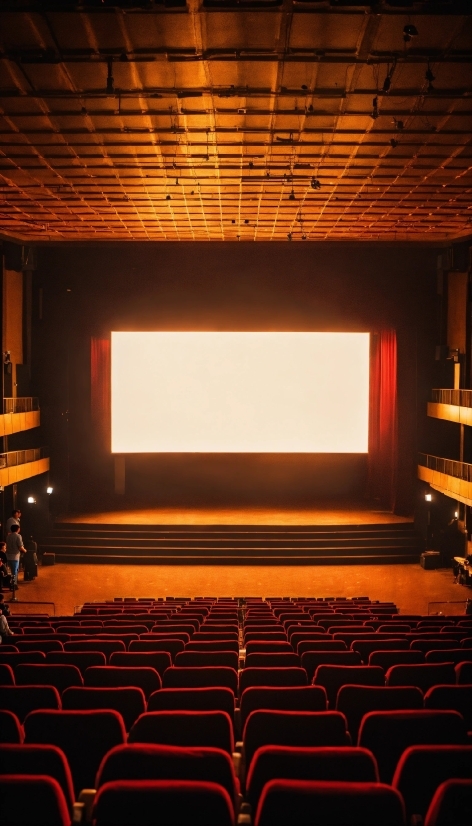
240,536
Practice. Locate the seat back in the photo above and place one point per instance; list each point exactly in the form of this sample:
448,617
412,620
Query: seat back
463,671
293,728
276,660
323,763
284,698
271,677
354,701
60,676
192,699
128,701
184,728
423,675
39,759
200,659
32,800
107,647
81,659
312,659
11,730
21,699
84,737
14,659
204,677
158,660
451,655
332,677
386,659
455,697
6,675
39,645
451,804
388,733
421,769
109,676
175,801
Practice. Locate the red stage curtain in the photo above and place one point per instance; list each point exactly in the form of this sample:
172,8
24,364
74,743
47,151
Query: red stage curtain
100,390
382,462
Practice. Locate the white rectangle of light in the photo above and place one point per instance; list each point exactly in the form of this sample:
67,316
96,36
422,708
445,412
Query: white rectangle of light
240,392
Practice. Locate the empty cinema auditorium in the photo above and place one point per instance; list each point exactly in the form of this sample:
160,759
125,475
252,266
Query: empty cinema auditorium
236,458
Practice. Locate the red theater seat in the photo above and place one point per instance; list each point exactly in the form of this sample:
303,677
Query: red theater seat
32,800
81,659
331,803
293,728
455,697
421,769
33,657
422,676
184,728
21,699
312,659
204,677
111,676
463,673
130,702
451,804
285,698
296,763
202,659
333,677
213,645
271,677
387,659
39,645
452,655
192,699
266,660
157,644
320,645
39,760
366,647
11,730
259,647
388,733
158,660
142,761
60,676
354,701
6,675
170,802
107,647
84,737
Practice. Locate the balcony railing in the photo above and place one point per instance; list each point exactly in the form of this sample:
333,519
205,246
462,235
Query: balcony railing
22,404
22,457
459,398
460,470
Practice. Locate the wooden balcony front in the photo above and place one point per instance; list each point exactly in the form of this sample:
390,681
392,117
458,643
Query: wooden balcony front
19,414
453,479
452,405
17,465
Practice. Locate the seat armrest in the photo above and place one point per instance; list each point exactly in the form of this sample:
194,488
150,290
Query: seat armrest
86,800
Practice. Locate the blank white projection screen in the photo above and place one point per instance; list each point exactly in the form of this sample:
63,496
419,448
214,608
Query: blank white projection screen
240,392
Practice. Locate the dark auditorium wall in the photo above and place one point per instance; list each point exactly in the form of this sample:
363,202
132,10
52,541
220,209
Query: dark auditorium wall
88,290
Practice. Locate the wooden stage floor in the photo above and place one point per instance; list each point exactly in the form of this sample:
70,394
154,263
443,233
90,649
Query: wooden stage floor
358,514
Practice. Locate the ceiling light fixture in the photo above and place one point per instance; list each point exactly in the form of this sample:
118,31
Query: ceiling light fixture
110,80
409,31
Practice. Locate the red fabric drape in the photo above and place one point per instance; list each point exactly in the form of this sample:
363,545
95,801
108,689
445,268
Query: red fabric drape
100,390
382,463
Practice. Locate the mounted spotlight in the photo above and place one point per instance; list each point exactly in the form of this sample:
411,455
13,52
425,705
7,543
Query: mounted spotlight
409,31
375,108
291,197
428,497
49,490
315,184
31,500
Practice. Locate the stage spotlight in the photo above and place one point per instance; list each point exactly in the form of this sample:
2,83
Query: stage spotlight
409,31
456,514
31,500
428,497
49,490
315,184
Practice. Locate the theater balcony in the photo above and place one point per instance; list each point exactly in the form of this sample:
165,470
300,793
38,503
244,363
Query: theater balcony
17,465
453,405
449,477
19,414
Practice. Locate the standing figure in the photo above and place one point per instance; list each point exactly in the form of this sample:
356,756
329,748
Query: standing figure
14,550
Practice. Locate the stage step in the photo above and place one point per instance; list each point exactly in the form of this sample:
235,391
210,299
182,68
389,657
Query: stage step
233,545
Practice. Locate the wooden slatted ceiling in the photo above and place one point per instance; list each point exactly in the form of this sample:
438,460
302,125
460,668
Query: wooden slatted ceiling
193,123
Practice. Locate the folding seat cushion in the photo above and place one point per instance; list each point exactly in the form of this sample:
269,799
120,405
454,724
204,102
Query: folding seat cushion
128,701
388,733
107,647
158,660
204,677
11,730
421,769
450,655
451,804
333,677
200,659
291,698
143,761
271,677
32,800
39,759
192,699
293,728
184,728
385,659
423,675
266,660
463,673
21,699
39,645
355,700
60,676
332,803
312,659
213,645
344,763
21,657
84,737
81,659
447,697
173,802
260,647
7,676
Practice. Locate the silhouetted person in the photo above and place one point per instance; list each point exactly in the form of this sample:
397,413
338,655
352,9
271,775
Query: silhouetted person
452,543
15,548
14,519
